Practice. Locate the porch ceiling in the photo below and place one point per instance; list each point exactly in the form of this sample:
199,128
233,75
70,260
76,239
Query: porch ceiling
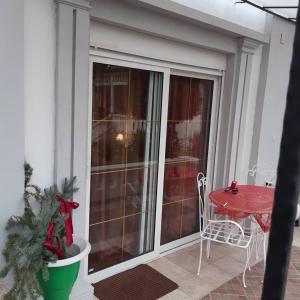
284,8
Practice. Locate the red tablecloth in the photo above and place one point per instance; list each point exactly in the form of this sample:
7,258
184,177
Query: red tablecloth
250,200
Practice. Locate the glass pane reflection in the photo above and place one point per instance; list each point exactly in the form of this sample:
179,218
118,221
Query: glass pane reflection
186,154
124,162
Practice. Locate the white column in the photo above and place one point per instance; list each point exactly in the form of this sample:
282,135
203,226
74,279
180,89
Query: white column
240,109
72,93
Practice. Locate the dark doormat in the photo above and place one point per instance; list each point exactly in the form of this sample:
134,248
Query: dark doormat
139,283
233,289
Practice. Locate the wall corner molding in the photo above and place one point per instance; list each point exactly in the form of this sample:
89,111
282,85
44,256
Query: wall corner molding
247,45
81,4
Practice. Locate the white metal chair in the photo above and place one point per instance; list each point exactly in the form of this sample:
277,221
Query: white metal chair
220,231
263,174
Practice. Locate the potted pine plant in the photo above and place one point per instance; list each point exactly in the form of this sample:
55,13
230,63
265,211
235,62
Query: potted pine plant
40,250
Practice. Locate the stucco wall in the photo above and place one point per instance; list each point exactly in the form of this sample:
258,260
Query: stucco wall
11,112
27,93
39,75
275,74
27,66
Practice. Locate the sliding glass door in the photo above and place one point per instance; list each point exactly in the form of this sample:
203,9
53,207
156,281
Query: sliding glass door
126,112
145,124
188,127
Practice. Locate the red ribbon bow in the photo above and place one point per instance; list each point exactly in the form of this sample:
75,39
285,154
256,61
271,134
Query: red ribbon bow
49,244
65,209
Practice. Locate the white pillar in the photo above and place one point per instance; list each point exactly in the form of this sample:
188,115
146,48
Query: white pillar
72,92
240,109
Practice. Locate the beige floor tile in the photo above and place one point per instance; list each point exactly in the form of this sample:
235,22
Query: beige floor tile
217,251
195,287
184,260
176,295
169,269
214,276
237,254
230,265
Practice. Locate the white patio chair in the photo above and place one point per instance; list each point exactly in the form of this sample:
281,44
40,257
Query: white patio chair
221,231
263,174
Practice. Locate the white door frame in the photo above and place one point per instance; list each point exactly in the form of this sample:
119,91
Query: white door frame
212,146
120,59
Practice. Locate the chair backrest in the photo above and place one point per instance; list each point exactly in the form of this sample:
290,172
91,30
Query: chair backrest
203,207
262,174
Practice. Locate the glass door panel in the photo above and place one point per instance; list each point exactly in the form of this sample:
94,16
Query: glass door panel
126,113
188,126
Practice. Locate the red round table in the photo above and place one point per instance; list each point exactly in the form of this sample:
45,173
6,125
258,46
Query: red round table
251,200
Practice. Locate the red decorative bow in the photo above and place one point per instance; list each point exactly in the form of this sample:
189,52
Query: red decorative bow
49,244
66,210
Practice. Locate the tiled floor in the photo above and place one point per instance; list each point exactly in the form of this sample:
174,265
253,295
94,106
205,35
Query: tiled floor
217,278
225,264
233,289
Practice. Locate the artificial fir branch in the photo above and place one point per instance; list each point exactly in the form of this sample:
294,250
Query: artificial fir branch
24,251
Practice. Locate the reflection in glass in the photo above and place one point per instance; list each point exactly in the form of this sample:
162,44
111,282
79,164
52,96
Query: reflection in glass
186,154
124,163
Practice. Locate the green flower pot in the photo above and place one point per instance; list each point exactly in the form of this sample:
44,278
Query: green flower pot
63,274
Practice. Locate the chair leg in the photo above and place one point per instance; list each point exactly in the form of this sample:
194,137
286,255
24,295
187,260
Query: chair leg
256,246
265,249
208,249
200,257
246,267
257,237
249,267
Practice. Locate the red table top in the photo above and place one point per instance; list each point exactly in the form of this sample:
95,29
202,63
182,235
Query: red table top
250,199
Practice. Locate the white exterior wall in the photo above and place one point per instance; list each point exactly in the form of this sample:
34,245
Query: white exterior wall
39,85
11,113
122,40
39,75
274,96
230,10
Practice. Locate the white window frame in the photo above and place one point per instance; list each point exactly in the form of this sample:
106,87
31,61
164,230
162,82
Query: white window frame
119,59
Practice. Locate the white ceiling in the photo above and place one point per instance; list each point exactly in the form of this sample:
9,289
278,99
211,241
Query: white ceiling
287,12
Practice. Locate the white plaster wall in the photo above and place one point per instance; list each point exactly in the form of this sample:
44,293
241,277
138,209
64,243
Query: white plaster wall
132,42
39,75
230,10
277,79
153,24
11,114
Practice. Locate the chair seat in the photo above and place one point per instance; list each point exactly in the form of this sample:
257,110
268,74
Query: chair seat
226,233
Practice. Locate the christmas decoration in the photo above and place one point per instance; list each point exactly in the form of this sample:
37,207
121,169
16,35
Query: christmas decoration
40,236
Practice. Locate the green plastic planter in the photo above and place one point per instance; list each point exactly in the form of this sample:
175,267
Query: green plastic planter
63,274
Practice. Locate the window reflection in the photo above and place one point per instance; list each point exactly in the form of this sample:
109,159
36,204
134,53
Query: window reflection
124,162
186,154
